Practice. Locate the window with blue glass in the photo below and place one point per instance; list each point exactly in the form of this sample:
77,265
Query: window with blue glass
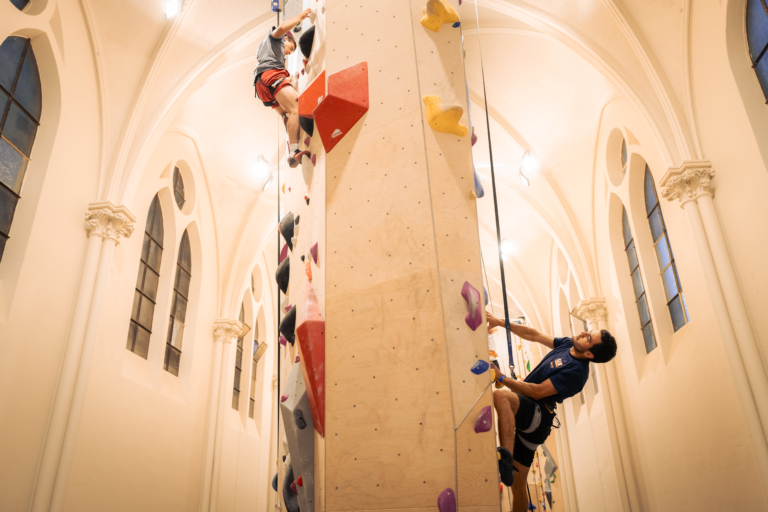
678,310
757,40
21,103
641,299
238,364
179,307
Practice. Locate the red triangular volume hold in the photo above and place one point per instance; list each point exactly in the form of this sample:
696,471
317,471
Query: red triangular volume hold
311,334
346,102
312,96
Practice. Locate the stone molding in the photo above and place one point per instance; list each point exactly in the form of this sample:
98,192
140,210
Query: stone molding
693,179
109,221
594,311
228,331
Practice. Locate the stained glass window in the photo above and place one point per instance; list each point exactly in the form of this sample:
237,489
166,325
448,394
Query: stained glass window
238,365
757,40
178,188
178,307
145,296
635,274
673,291
20,108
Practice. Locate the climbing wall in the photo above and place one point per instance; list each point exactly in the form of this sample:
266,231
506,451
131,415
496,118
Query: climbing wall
402,406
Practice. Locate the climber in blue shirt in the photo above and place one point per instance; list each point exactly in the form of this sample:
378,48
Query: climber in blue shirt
527,411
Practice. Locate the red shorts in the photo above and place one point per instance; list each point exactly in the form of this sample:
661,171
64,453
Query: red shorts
269,83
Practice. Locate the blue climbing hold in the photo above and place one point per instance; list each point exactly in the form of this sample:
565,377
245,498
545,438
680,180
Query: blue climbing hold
479,367
274,482
485,294
456,24
479,190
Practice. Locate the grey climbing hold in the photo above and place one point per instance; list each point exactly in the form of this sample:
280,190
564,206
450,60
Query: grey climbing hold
479,367
283,275
446,502
298,417
296,222
484,420
302,257
286,229
290,498
288,326
308,125
274,482
300,436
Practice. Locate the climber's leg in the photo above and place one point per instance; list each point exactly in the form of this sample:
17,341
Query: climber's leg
506,403
519,489
288,100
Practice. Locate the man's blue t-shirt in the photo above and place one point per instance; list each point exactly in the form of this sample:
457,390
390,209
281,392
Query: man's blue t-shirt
568,374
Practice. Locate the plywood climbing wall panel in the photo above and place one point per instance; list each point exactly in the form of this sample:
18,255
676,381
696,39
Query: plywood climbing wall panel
402,239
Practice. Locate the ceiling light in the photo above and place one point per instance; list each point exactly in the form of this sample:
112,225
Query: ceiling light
506,248
172,8
529,163
267,183
261,168
524,179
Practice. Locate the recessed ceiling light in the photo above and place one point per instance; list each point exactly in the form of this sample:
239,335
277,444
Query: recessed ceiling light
506,248
529,163
260,168
172,8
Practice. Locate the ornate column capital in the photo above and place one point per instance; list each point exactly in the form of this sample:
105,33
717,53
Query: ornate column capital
595,311
109,221
688,182
227,331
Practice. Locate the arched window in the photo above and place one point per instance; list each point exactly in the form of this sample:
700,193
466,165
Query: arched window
637,284
20,4
178,188
179,308
678,310
624,156
238,365
146,283
21,103
757,39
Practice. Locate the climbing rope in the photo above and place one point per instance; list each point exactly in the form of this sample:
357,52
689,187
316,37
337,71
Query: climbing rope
495,204
277,344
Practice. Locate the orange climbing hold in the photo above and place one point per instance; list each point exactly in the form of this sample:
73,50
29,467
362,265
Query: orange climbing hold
344,105
312,96
308,270
311,334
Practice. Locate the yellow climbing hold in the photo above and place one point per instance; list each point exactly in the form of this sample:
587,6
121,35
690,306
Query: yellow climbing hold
437,13
498,455
444,118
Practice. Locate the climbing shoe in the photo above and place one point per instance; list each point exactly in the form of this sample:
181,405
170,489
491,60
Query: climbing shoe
295,159
506,468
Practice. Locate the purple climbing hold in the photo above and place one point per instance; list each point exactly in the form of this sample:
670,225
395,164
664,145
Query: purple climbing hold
293,488
288,307
474,137
314,159
307,141
475,316
298,358
446,502
283,253
283,341
479,367
484,420
284,397
313,252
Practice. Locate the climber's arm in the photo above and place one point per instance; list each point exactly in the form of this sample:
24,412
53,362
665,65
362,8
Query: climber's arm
288,25
532,391
527,333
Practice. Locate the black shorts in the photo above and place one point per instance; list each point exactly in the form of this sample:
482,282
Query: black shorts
533,423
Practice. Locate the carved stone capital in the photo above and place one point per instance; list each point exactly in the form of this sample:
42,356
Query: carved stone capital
688,182
595,311
227,331
109,221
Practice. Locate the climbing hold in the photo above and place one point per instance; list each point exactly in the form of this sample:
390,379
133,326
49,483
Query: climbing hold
298,417
283,188
282,340
484,420
283,252
446,502
479,190
444,118
457,24
283,274
311,334
288,326
302,257
475,316
293,241
306,40
286,229
474,137
293,488
311,98
296,222
288,308
479,367
344,105
314,159
308,125
298,358
306,198
277,5
299,482
313,252
307,141
284,397
437,13
308,271
274,482
485,295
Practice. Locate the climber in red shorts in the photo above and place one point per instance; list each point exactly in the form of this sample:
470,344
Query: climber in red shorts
273,82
